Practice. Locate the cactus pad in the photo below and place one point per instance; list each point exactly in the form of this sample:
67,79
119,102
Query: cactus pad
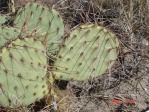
2,19
88,52
7,34
23,65
44,22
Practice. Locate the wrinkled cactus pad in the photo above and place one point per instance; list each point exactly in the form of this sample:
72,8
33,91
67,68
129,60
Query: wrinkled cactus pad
42,21
23,65
89,51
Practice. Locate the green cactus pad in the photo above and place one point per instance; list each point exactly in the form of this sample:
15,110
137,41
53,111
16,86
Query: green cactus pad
3,19
23,65
44,22
7,34
88,52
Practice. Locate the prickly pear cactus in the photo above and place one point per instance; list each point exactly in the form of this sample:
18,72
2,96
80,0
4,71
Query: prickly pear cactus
23,65
44,22
89,52
7,34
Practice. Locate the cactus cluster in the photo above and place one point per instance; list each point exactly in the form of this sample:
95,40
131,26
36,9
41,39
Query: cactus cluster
23,54
37,32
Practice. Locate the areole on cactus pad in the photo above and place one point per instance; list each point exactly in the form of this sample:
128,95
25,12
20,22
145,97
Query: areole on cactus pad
23,66
42,21
89,51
